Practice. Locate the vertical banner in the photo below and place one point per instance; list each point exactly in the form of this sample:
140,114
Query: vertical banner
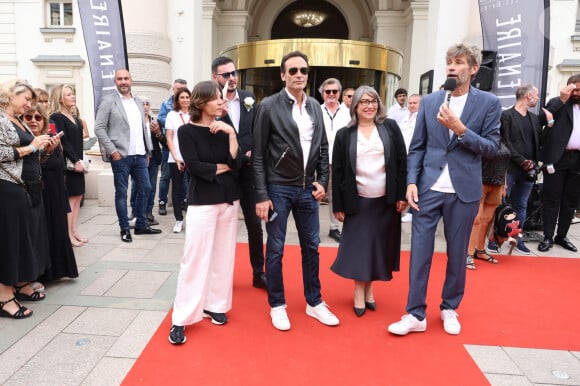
104,33
518,30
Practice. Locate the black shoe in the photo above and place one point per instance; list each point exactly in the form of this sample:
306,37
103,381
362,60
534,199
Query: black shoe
335,234
371,306
151,220
126,235
545,245
359,311
176,335
565,243
216,317
162,208
147,231
259,280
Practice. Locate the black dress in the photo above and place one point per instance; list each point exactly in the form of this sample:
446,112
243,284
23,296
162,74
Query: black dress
23,239
56,206
72,143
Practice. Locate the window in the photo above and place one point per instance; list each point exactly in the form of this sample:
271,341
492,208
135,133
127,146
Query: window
60,13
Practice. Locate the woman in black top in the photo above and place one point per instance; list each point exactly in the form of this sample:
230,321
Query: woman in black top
62,101
210,150
24,255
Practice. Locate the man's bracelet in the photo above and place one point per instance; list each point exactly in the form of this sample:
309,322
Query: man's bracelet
551,122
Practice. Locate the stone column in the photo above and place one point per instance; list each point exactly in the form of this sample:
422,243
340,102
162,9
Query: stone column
232,29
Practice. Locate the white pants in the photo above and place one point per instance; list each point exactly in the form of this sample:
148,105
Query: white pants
206,274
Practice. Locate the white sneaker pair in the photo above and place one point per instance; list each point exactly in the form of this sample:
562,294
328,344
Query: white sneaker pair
321,312
178,227
409,323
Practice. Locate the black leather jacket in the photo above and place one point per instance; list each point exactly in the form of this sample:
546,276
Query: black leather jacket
277,153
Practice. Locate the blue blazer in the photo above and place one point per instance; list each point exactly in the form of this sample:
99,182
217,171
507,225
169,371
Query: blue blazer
431,147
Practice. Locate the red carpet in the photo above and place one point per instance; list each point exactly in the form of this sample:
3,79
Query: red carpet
521,302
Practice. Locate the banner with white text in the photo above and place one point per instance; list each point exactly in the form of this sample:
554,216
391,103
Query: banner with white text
518,30
104,33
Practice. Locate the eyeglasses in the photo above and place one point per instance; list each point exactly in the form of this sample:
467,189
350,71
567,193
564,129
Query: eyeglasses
348,95
37,117
328,92
294,70
366,102
226,75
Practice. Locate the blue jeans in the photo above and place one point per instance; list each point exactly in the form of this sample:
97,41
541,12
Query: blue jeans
518,192
136,167
304,209
153,170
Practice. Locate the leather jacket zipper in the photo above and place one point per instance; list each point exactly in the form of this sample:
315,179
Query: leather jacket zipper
281,157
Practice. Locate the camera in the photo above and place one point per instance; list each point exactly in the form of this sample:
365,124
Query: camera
533,173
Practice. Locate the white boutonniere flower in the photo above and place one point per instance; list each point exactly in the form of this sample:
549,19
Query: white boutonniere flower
249,103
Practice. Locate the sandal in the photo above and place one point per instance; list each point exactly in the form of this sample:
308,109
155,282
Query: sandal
470,263
488,258
33,297
20,314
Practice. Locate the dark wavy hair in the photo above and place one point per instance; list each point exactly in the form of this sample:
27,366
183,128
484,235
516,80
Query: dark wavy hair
203,92
176,97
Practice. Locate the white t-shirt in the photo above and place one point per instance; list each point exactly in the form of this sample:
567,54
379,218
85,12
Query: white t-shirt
333,123
444,183
173,122
397,112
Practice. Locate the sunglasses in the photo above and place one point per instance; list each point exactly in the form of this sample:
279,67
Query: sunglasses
146,103
348,96
294,70
226,75
328,92
37,117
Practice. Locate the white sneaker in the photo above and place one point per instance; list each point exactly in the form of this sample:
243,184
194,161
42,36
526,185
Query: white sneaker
280,318
450,323
132,222
323,314
178,227
408,217
408,323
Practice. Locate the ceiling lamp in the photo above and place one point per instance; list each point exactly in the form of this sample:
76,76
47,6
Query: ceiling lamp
308,19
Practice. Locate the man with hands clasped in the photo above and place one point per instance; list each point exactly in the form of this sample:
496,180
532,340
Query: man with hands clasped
561,157
444,180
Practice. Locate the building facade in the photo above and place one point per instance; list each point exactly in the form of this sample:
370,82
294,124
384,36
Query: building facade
42,40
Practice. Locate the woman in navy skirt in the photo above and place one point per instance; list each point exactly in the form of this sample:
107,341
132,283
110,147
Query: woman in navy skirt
369,166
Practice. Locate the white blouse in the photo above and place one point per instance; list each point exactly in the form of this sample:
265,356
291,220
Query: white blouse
371,178
174,121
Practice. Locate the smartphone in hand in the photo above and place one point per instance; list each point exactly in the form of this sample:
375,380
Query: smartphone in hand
272,215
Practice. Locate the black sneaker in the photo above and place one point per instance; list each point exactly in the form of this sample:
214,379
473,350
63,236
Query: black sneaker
151,220
176,335
216,317
162,208
335,235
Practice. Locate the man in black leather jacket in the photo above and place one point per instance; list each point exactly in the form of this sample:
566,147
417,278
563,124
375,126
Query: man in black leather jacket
290,161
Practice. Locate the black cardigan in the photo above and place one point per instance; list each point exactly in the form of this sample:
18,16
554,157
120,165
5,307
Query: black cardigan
344,188
202,151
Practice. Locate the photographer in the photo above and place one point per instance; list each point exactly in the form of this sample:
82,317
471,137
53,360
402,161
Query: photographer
523,139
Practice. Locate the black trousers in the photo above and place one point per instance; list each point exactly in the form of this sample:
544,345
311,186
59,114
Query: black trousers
561,194
252,221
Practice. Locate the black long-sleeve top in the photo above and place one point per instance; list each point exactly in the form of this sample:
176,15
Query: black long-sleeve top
202,151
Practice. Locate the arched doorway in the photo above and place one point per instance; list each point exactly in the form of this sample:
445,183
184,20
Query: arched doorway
354,63
310,19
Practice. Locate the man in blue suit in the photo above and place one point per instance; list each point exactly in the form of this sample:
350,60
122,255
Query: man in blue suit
444,180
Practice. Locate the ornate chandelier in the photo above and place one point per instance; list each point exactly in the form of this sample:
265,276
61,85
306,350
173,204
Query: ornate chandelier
308,19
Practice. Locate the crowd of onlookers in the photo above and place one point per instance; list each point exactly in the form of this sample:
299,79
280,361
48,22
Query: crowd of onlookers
41,184
453,154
